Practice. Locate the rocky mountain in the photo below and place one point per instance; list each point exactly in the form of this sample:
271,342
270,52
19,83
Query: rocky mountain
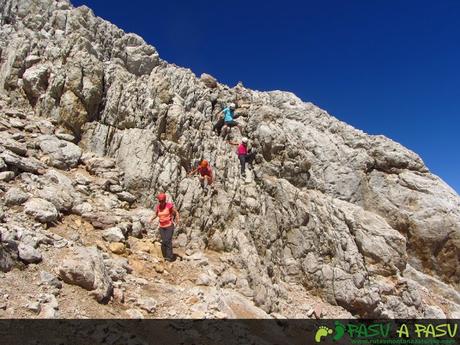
329,221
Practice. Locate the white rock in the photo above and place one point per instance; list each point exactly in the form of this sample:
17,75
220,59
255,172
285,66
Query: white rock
35,80
63,154
148,304
29,254
82,208
137,229
41,210
49,279
433,312
228,278
6,176
86,269
113,234
15,196
203,279
65,136
34,306
126,196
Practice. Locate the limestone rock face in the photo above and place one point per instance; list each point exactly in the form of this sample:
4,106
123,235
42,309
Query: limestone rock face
325,207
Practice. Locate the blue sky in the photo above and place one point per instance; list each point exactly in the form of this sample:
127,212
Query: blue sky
386,67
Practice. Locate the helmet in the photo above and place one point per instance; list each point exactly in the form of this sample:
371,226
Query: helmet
161,197
204,163
231,105
245,140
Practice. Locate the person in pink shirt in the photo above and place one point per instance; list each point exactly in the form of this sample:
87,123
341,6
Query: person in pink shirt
244,154
168,217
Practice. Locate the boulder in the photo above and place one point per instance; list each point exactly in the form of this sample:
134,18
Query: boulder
59,195
118,267
140,58
49,306
63,154
29,254
6,176
101,220
14,146
86,269
80,209
15,196
50,279
113,234
41,210
31,165
137,229
34,307
115,188
96,164
8,256
208,80
117,248
126,196
35,80
65,136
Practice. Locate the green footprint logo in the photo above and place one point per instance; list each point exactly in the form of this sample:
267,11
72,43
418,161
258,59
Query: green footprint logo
322,331
339,331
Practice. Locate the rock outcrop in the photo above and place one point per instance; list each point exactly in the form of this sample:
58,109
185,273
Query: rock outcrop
93,123
87,269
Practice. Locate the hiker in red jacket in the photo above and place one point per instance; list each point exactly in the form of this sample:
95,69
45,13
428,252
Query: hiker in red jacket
205,171
168,217
245,155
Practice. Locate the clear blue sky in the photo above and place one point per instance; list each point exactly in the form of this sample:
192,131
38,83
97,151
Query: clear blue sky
386,67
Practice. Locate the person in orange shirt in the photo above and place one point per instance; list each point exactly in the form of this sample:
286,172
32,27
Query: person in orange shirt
168,217
205,171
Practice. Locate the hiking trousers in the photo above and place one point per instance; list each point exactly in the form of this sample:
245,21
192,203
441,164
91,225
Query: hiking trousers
247,158
242,159
166,242
218,126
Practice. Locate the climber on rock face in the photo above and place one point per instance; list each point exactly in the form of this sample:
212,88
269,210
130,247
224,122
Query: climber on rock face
168,217
205,171
228,120
245,155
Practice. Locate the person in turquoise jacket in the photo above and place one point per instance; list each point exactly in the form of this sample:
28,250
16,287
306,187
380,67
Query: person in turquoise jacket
228,120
